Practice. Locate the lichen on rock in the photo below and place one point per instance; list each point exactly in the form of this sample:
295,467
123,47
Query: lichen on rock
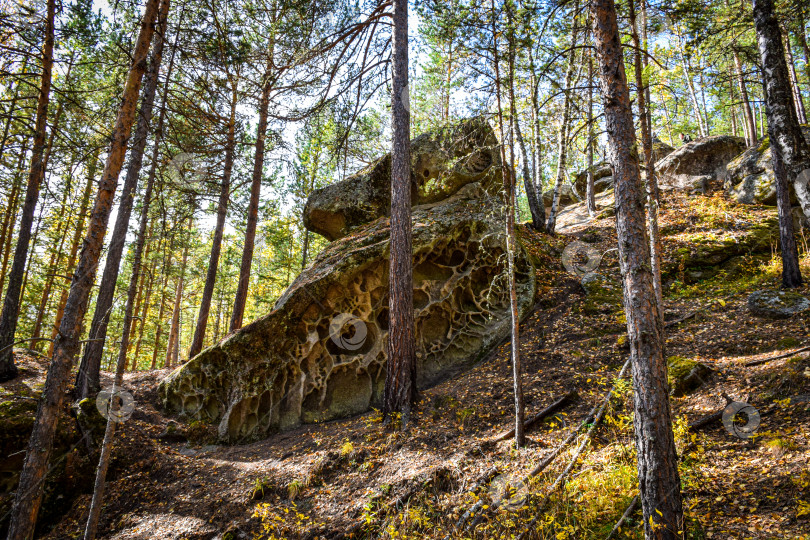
321,353
777,304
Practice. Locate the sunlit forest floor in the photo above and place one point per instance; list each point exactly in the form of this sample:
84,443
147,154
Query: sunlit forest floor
357,478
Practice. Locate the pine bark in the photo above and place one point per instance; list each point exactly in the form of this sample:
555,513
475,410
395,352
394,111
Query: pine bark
78,231
109,433
11,302
659,482
29,491
253,206
87,379
651,181
790,150
400,378
173,345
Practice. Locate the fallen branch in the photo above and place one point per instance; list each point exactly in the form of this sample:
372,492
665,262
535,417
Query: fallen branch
772,358
594,418
627,513
539,416
711,418
599,416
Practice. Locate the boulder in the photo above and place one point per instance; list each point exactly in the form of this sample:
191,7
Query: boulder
441,163
686,375
777,304
700,165
701,255
750,178
321,353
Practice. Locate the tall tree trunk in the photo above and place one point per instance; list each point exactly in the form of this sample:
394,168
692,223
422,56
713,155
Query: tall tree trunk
507,170
400,378
537,168
794,81
746,102
590,195
109,433
87,378
78,231
173,345
29,491
535,204
659,482
651,181
12,215
562,142
216,243
687,71
785,135
240,298
161,310
11,302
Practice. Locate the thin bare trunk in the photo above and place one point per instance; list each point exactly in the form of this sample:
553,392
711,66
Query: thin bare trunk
590,195
240,299
507,169
562,142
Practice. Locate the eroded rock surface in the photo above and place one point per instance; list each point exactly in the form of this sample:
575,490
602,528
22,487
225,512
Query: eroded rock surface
750,177
321,353
442,162
699,165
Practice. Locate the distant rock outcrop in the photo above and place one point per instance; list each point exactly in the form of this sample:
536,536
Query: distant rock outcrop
321,353
700,165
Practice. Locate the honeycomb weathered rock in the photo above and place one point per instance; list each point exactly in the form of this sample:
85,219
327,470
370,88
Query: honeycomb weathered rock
309,360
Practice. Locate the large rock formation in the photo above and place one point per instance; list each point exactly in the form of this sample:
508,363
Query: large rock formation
321,353
700,165
442,162
750,176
